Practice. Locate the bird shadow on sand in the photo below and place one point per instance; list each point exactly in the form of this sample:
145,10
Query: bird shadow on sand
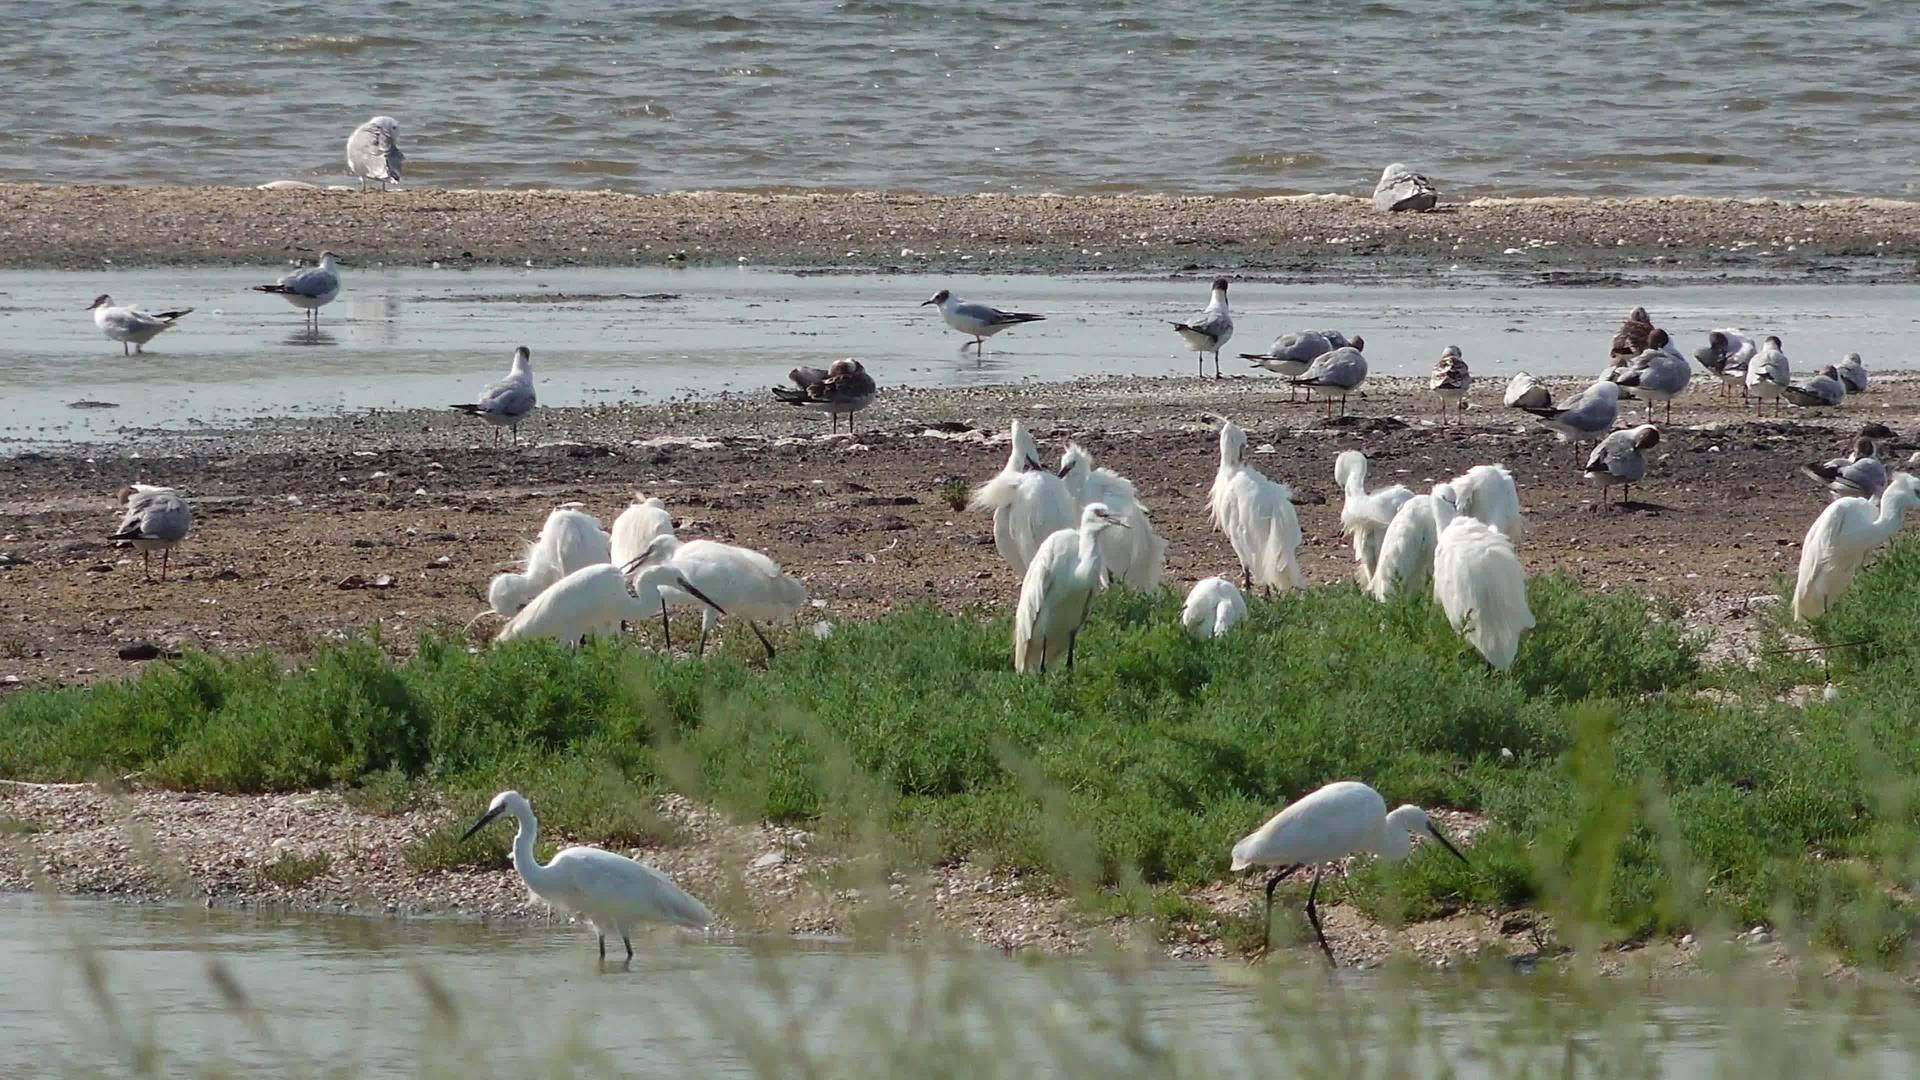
311,337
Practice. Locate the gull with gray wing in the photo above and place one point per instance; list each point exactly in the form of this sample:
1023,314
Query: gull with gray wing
157,518
1208,331
978,320
843,389
507,402
373,152
311,288
130,326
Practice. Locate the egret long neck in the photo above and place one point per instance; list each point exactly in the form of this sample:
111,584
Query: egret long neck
1089,551
1893,511
523,838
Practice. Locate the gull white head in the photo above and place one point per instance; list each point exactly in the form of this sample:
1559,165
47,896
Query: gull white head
385,123
103,300
523,359
1401,827
938,299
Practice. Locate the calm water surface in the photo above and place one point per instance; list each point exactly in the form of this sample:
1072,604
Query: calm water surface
1731,97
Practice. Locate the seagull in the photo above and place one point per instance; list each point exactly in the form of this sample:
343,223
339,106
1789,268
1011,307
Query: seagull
1400,188
1631,339
1338,372
311,288
1291,353
1862,475
507,402
977,319
1587,417
843,389
1659,373
129,325
1527,392
373,152
1768,373
157,518
1823,391
1621,459
1726,354
1853,372
1212,328
1451,380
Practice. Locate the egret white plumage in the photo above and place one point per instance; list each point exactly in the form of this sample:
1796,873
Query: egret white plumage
1488,493
507,402
1057,594
1208,331
1364,515
1480,584
1257,516
130,326
637,527
1406,551
1341,819
597,600
979,320
1768,373
612,891
1213,606
1029,503
569,540
741,582
1450,381
1133,555
157,518
1621,458
1841,538
373,152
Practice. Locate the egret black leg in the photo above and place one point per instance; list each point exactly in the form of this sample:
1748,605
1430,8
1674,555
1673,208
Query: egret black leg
603,945
1246,578
700,649
764,643
1313,916
1266,917
628,944
666,631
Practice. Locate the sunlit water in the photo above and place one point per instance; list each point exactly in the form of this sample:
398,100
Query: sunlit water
430,338
263,994
1731,97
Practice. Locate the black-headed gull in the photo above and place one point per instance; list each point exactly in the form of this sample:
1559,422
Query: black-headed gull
130,326
507,402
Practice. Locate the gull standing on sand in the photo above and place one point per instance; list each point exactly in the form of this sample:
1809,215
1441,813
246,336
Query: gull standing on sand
1291,353
1861,475
978,320
157,518
1658,374
1726,354
311,288
130,326
1057,593
1365,516
505,403
1208,331
1621,458
1631,339
1400,188
1213,606
1853,372
1823,391
843,389
1338,372
1586,418
1768,373
1480,585
1029,503
373,152
1450,381
1525,391
1257,516
1841,538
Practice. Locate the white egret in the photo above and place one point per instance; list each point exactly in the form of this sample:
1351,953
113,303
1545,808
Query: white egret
130,326
1257,516
597,600
1488,493
507,402
1479,582
738,582
1365,516
1341,819
1400,188
568,541
978,320
634,530
1406,551
842,389
1029,503
1631,339
1208,331
1768,373
1840,540
157,518
1057,593
373,152
1213,606
612,891
1133,555
1621,458
311,288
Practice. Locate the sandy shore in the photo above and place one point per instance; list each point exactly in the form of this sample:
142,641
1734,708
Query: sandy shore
87,227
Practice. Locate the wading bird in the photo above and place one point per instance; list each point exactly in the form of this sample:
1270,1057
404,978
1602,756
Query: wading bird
1057,593
157,518
1400,189
1586,418
1133,555
1213,605
842,389
505,403
1406,551
597,600
130,326
311,288
1029,503
1337,373
1364,515
1450,382
1257,516
1480,585
1621,458
373,152
1841,538
569,540
637,527
1208,331
1341,819
612,891
1768,374
1488,494
1290,354
979,320
738,582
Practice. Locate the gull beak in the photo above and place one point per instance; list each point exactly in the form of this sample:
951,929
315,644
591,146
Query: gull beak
482,823
1445,843
924,303
686,586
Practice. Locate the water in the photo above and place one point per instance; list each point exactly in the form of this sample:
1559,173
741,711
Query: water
273,994
1597,97
407,338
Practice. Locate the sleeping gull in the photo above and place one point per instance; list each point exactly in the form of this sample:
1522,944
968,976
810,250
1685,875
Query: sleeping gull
977,319
1527,392
1291,353
1853,372
1726,354
157,518
1587,417
373,152
311,288
1338,372
1400,188
129,325
507,402
1823,391
1768,373
1450,381
1862,475
1621,458
1212,328
1659,373
842,389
